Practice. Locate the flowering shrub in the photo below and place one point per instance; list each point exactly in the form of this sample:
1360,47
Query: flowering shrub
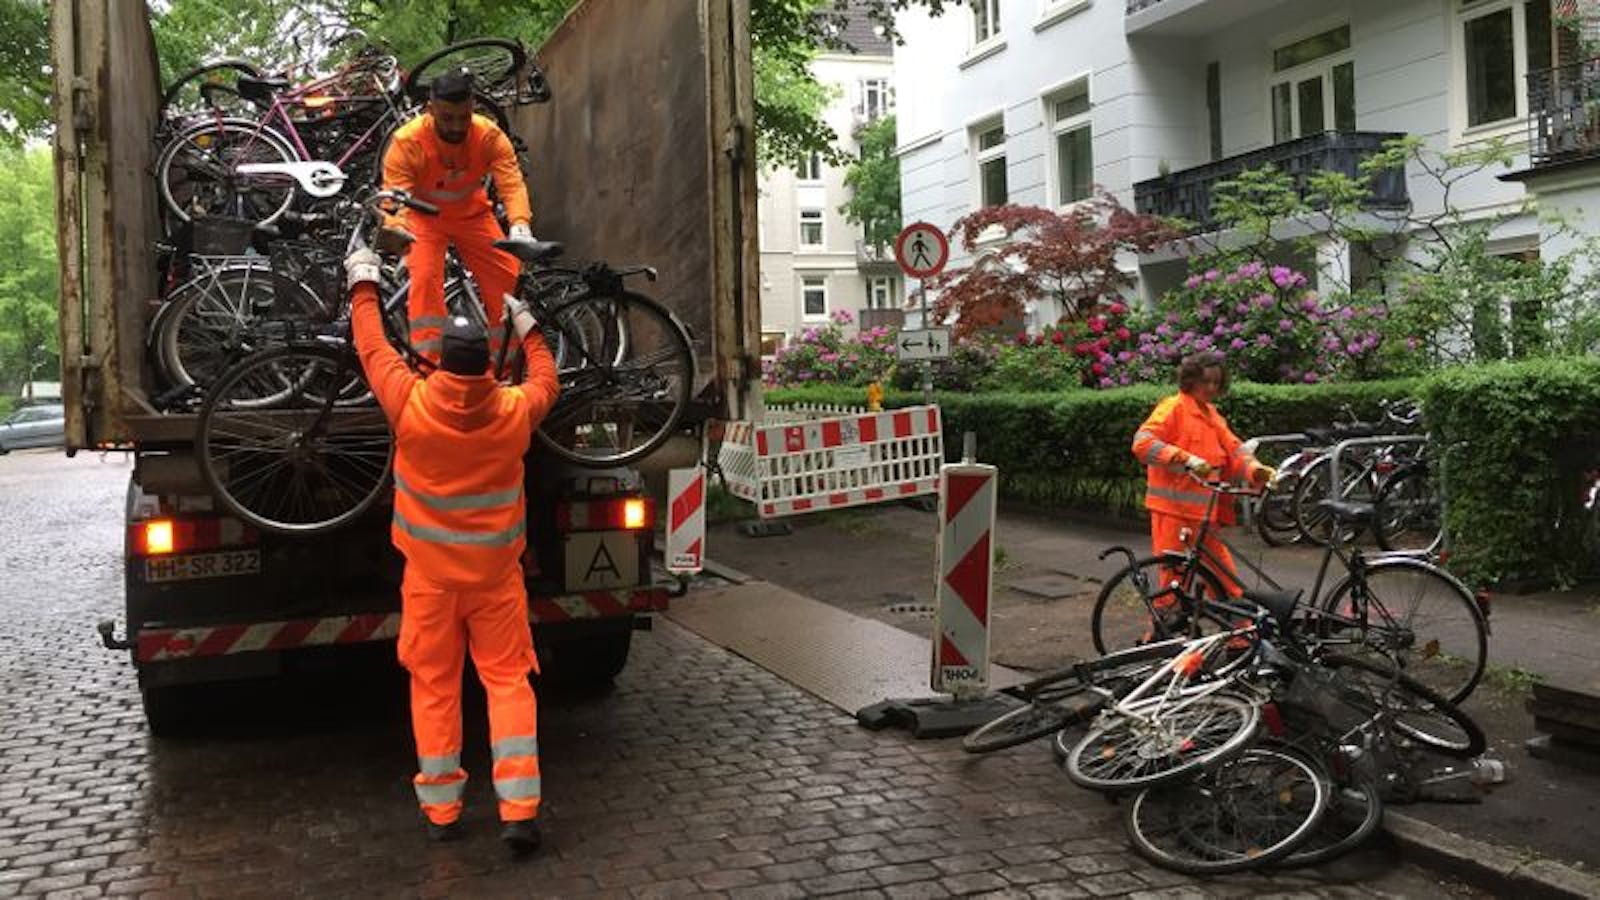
823,355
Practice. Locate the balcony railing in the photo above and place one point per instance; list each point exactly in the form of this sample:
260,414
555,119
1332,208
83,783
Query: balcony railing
875,258
1187,194
1564,113
869,319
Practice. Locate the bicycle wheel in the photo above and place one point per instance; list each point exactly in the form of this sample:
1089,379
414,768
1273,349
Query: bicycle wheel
1040,717
1123,618
1315,485
1249,812
1126,751
208,88
1416,710
1275,513
214,320
620,399
299,464
495,64
198,171
1417,613
1355,810
1407,515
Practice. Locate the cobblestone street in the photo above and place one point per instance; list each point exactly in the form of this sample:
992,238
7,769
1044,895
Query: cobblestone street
700,774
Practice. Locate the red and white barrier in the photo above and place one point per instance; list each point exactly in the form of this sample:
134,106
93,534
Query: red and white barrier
686,520
965,575
833,462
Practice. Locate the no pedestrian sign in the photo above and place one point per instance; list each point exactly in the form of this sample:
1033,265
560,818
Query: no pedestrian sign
921,250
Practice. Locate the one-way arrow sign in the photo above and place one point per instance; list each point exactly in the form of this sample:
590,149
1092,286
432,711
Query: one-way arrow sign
927,343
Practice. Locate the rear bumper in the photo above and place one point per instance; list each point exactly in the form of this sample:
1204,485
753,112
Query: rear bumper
162,645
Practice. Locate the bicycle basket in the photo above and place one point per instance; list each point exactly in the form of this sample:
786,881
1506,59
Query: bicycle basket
305,281
221,235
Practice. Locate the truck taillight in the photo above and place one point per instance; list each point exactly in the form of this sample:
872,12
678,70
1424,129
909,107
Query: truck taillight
188,534
621,513
634,513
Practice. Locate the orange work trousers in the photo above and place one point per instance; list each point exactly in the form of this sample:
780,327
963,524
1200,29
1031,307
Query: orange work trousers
438,627
1166,535
494,270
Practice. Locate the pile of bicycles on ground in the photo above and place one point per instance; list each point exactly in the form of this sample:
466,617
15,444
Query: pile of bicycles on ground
1254,727
267,183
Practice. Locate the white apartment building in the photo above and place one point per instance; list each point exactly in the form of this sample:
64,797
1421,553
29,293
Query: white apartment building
814,262
1034,101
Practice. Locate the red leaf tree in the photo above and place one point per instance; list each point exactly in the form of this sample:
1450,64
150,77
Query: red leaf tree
1069,256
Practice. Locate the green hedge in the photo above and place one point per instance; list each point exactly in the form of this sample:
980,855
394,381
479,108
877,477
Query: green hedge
1073,448
1518,437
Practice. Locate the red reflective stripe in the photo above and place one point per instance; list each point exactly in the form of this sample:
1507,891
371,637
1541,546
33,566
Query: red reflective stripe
220,640
838,499
605,603
291,634
832,435
873,493
360,628
868,428
902,424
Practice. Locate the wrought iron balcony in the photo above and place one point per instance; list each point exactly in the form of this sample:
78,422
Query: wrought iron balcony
1187,194
1564,113
875,259
868,319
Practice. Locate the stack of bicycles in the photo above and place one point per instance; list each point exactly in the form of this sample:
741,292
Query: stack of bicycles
254,173
1259,727
1392,468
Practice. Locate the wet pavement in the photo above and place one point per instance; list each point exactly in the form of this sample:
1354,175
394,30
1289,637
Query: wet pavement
699,774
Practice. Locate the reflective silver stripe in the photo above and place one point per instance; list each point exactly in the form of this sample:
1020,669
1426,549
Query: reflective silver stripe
1152,457
439,765
428,322
446,536
463,501
1240,451
517,788
440,194
439,794
1141,433
429,345
1181,496
516,746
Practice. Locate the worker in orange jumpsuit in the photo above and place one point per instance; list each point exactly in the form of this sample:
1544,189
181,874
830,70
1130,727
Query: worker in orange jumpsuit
1184,436
443,157
459,520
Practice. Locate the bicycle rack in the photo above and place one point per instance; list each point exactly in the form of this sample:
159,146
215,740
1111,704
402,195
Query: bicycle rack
1381,440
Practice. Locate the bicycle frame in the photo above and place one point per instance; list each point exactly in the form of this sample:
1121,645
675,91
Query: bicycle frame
1175,677
293,98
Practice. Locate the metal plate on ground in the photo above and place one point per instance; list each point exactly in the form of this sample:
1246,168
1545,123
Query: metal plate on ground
1050,587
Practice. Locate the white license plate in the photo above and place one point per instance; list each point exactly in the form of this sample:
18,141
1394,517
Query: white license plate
597,560
203,565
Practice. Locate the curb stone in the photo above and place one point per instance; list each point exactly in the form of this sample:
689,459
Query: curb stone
1488,866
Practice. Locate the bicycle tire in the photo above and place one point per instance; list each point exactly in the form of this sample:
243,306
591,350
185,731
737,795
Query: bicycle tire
1032,721
338,468
173,99
1449,655
664,374
1274,518
1355,810
1096,759
1392,521
275,203
495,64
193,352
1314,524
1120,611
1453,732
1194,828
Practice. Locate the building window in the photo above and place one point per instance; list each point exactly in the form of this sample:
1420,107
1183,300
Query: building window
1501,41
814,297
1314,86
990,141
810,167
985,20
1214,108
881,293
772,342
877,98
811,228
1074,144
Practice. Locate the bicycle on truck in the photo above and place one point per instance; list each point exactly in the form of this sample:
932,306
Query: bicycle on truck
291,440
1390,604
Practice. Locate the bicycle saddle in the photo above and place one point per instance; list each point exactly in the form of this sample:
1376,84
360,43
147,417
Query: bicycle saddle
1344,432
1278,604
1346,510
261,90
531,251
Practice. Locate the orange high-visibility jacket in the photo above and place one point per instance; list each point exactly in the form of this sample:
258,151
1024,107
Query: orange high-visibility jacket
451,175
1178,429
459,511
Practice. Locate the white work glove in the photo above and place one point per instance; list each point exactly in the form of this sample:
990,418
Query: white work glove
521,232
1198,466
521,319
362,267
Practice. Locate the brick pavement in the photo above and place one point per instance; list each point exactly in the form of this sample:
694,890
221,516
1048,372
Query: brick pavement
699,774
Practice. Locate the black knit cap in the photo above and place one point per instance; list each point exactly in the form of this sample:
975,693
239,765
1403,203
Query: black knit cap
465,349
452,86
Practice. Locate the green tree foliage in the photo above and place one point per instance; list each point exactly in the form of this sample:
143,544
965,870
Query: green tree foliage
875,180
29,278
24,69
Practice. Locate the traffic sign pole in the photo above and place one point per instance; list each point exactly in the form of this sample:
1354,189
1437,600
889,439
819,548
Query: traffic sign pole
921,249
927,365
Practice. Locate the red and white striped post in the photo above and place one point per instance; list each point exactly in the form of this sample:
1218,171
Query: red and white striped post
965,577
686,520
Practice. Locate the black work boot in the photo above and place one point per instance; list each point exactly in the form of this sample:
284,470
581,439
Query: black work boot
521,836
449,831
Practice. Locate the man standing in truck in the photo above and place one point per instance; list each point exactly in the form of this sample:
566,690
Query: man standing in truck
459,520
443,157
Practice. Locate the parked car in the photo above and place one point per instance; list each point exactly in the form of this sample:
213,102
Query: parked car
44,425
